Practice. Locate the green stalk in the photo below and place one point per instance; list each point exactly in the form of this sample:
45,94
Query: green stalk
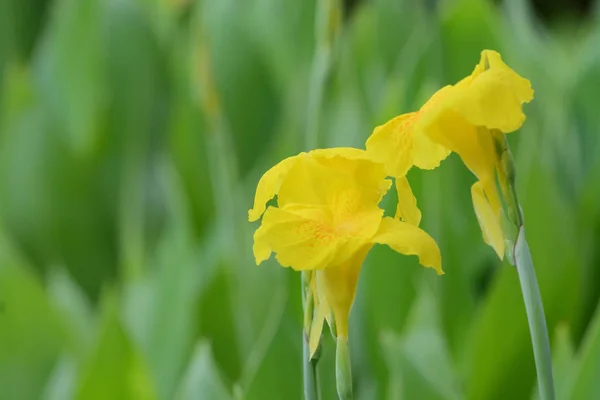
535,317
309,368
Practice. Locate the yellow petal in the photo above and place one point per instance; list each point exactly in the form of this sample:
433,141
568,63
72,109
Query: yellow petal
316,329
427,154
391,144
339,284
488,219
474,145
407,203
350,189
301,237
410,240
318,178
494,96
349,153
268,186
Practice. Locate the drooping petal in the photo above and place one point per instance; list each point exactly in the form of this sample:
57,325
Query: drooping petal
410,240
300,236
407,203
268,186
426,153
339,283
472,144
392,143
316,329
488,219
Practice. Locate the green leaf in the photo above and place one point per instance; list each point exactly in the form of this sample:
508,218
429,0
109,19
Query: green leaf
564,363
115,369
248,97
468,26
27,353
201,380
499,359
586,384
71,71
419,360
74,308
61,384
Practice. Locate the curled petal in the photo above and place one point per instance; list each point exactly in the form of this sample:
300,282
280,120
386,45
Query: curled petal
410,240
268,186
407,203
426,153
493,96
392,143
488,219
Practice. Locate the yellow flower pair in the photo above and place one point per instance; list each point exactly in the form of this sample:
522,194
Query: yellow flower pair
470,119
327,216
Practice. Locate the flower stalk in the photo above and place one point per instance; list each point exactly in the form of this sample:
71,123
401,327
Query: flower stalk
520,256
309,364
535,316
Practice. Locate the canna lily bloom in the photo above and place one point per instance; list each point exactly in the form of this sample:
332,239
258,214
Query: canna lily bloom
326,220
469,118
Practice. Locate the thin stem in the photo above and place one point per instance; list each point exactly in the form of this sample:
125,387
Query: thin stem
312,391
535,317
311,379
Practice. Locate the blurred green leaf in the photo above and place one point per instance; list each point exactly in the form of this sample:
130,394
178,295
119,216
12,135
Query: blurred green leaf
74,309
115,369
468,26
28,353
239,68
419,360
61,384
586,383
563,363
499,358
216,322
160,309
71,69
201,379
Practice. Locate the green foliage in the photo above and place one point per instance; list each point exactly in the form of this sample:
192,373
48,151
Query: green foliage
132,136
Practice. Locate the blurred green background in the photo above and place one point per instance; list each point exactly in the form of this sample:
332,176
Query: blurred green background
132,136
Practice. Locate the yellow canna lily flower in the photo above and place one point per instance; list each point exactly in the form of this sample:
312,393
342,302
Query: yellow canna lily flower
469,118
326,220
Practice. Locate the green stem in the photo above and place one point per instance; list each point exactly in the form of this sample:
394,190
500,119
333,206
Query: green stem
309,366
535,317
311,379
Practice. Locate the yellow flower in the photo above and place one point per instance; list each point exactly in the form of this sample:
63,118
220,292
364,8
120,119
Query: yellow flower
470,119
326,220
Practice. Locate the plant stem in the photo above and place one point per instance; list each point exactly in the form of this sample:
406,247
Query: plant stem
309,366
535,316
311,379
